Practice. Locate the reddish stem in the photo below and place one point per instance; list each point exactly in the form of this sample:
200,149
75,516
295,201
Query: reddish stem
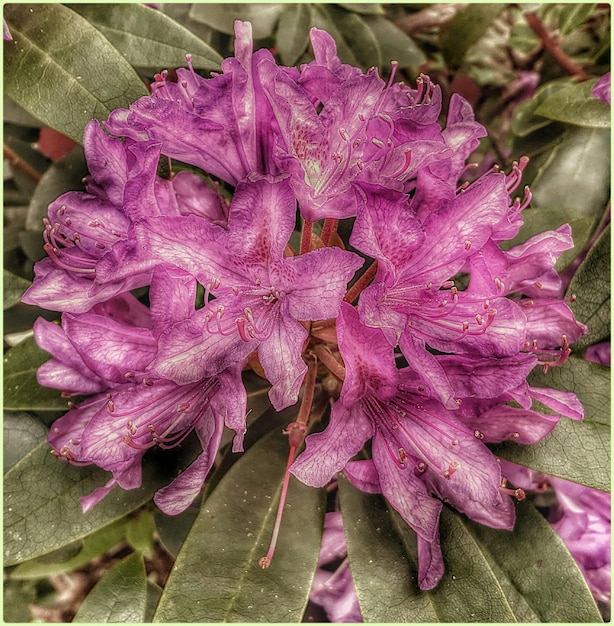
328,358
553,47
19,164
296,432
306,236
329,229
361,283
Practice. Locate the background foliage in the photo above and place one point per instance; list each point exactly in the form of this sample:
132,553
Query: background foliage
69,63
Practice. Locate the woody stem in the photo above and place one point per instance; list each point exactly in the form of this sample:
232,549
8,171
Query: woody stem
354,291
306,236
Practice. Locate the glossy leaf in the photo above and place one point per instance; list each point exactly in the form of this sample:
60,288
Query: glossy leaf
357,36
525,121
576,451
120,595
465,29
535,570
325,17
383,559
65,175
293,33
263,16
21,390
21,433
49,69
575,104
570,184
140,533
591,286
574,15
41,503
14,287
482,583
394,44
216,577
93,545
148,38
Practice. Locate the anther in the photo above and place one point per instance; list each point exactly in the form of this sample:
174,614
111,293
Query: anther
477,434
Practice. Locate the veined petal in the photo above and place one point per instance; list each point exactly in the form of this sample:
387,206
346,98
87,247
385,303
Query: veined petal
327,452
430,563
106,162
316,282
108,348
385,228
363,475
172,295
368,357
496,513
506,423
179,494
486,377
564,402
406,493
281,358
194,348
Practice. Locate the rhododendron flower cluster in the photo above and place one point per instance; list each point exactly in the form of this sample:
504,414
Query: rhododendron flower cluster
396,288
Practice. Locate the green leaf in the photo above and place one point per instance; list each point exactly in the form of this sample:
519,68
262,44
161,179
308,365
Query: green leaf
41,503
395,45
22,432
216,577
383,559
14,287
263,16
292,36
147,37
324,17
93,545
525,120
354,30
50,70
571,16
21,390
364,9
536,571
119,596
570,185
576,451
466,28
65,175
140,533
491,575
591,286
575,104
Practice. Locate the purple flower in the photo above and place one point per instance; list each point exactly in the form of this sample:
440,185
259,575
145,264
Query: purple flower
334,590
412,298
603,88
222,125
599,353
6,33
86,229
582,517
418,446
261,294
107,352
583,520
367,129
